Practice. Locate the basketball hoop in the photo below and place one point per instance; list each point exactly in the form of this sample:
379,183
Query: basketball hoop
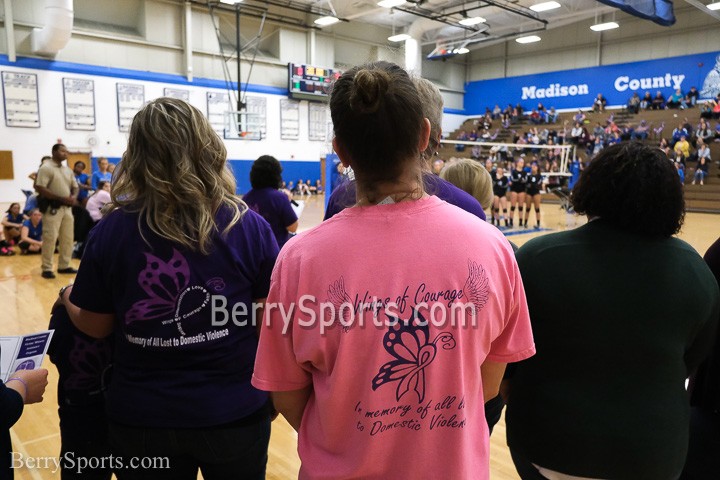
243,126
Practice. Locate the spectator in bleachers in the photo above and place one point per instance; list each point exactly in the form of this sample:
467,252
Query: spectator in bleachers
31,233
679,131
703,151
318,187
552,115
646,102
497,112
704,132
676,100
701,171
717,132
580,117
615,358
681,171
641,131
658,103
706,110
633,105
459,147
599,103
437,166
682,147
691,97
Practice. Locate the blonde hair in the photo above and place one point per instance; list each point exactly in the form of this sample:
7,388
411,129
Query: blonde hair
470,176
175,174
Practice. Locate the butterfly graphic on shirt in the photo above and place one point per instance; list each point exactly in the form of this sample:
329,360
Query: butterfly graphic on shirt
408,341
477,287
339,298
167,285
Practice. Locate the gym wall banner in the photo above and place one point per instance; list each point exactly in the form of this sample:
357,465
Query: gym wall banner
578,88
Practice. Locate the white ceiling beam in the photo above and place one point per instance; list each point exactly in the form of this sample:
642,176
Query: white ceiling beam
701,6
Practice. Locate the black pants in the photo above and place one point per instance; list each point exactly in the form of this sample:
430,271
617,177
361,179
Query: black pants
493,411
226,452
84,443
524,467
702,460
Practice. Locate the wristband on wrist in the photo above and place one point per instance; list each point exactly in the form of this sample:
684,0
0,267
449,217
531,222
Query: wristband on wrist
62,290
21,381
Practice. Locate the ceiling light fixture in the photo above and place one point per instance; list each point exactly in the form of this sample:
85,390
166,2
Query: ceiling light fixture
391,3
599,27
545,6
528,39
231,2
325,21
461,51
714,6
400,37
472,21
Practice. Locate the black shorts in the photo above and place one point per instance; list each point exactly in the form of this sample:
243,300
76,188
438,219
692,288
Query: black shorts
517,188
532,191
499,195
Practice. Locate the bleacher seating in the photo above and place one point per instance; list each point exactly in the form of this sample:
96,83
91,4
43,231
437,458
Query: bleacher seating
705,198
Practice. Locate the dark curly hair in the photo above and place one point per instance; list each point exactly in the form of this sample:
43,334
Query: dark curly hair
266,172
633,187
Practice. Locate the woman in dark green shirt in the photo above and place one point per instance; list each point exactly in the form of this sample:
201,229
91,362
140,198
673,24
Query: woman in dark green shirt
622,312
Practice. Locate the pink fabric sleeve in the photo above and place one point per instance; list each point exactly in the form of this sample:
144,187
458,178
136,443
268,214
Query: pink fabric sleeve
515,342
276,367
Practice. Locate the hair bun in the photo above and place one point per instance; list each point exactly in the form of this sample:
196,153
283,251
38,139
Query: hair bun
368,89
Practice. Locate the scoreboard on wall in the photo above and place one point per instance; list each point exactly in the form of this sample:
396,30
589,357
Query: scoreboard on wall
310,83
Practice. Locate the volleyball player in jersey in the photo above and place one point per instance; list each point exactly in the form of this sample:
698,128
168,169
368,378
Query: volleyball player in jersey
500,185
532,194
518,178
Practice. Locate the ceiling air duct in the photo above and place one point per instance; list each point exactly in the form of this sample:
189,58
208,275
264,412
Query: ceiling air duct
53,37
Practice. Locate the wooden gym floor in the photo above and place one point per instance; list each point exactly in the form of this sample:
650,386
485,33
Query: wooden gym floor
26,299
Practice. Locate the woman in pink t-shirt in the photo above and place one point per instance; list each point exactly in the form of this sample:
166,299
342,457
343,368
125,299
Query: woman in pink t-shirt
388,325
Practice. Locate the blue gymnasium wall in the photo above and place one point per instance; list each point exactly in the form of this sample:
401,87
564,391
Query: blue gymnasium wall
577,88
292,170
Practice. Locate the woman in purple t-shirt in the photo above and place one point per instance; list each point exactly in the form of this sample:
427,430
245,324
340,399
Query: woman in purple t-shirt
177,273
265,198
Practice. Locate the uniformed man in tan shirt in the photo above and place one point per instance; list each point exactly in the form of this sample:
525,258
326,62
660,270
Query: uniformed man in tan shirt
56,183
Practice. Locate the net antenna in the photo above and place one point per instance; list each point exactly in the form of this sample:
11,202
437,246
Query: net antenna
239,96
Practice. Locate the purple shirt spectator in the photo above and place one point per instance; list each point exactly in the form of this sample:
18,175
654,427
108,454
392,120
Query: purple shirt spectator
344,196
174,366
274,206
